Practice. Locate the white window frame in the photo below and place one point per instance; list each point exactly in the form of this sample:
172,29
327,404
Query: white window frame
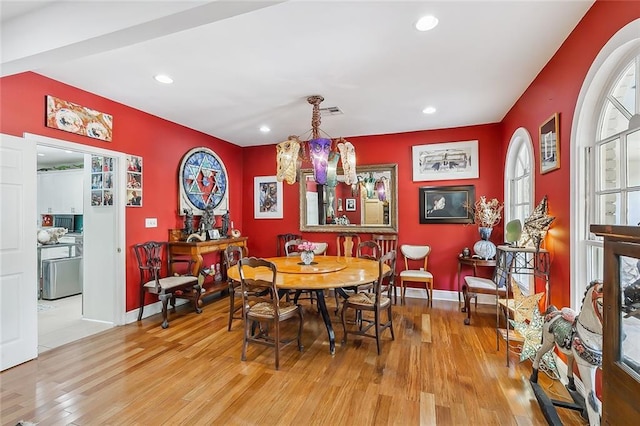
520,150
616,54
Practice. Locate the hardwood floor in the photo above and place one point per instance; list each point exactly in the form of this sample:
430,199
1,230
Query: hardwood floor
436,372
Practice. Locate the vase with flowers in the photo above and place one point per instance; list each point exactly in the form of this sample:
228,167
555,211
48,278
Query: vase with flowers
486,214
306,250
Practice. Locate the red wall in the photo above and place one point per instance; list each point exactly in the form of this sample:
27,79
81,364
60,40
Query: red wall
556,89
447,240
161,144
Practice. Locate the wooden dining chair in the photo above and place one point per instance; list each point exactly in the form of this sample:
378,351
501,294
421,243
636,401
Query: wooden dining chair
232,255
291,247
365,250
413,254
263,307
282,240
388,242
346,243
153,265
374,303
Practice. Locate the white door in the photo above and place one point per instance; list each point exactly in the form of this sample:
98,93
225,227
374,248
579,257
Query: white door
101,250
103,260
18,286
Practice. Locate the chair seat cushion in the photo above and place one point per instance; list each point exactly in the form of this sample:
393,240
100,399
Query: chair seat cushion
420,275
266,310
477,282
172,282
367,299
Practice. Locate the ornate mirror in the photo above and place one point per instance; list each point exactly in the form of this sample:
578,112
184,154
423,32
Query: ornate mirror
370,205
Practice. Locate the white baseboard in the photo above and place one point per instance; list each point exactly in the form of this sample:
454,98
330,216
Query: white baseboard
152,309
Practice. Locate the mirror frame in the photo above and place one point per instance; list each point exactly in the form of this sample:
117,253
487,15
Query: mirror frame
377,229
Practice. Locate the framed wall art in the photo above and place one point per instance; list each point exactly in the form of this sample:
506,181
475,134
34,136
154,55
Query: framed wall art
267,196
550,144
134,181
446,161
102,186
74,118
350,204
446,204
203,181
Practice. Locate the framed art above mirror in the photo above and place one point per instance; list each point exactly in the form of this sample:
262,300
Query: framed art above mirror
370,205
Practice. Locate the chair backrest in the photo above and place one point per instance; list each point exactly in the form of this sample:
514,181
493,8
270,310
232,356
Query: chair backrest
258,282
385,279
387,242
291,247
321,248
369,250
413,252
345,243
151,260
282,240
233,254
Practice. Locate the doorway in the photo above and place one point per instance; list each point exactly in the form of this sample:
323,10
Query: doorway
101,305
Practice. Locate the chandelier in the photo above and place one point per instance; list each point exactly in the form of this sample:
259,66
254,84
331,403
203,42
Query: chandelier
323,153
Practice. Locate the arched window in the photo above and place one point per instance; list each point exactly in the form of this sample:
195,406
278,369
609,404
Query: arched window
606,153
518,177
518,188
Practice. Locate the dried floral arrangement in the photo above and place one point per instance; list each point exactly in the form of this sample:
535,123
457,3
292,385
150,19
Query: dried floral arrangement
486,213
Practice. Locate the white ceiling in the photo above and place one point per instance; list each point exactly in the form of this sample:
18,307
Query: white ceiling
238,65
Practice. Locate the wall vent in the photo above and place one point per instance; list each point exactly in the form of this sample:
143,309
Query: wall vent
333,110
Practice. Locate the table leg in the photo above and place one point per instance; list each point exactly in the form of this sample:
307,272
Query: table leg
322,307
459,270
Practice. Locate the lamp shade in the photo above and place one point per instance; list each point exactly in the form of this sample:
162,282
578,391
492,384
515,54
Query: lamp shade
319,152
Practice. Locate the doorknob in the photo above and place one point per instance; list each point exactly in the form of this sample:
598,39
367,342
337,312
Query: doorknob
119,250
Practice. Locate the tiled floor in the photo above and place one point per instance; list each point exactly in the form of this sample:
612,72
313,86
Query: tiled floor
60,322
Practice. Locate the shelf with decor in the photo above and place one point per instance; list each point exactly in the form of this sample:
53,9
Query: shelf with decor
519,261
194,251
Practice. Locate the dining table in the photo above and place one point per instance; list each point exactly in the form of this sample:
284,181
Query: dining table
324,273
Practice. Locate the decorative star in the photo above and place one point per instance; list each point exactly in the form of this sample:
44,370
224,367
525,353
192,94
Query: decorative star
532,334
522,306
537,224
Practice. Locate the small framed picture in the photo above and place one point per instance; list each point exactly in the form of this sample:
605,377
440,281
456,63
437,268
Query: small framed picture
214,234
549,145
350,204
267,198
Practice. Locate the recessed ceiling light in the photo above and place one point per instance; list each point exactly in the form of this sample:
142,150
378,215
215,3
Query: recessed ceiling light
427,23
68,152
265,129
429,110
163,78
40,154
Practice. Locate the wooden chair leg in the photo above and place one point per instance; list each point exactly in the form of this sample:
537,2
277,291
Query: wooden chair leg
232,306
276,324
391,323
245,340
376,316
300,347
196,301
141,309
164,298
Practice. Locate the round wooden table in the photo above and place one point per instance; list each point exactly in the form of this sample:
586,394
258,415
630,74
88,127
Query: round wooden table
326,272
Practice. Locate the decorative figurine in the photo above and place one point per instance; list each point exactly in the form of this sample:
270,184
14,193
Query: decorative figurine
225,224
208,218
188,221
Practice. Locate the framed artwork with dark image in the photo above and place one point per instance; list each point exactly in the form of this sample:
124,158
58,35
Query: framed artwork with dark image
446,204
550,144
350,204
267,201
214,234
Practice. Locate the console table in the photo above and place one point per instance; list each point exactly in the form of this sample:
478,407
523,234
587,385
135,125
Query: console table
195,250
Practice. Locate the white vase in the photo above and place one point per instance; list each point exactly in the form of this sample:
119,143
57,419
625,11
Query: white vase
307,257
485,248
